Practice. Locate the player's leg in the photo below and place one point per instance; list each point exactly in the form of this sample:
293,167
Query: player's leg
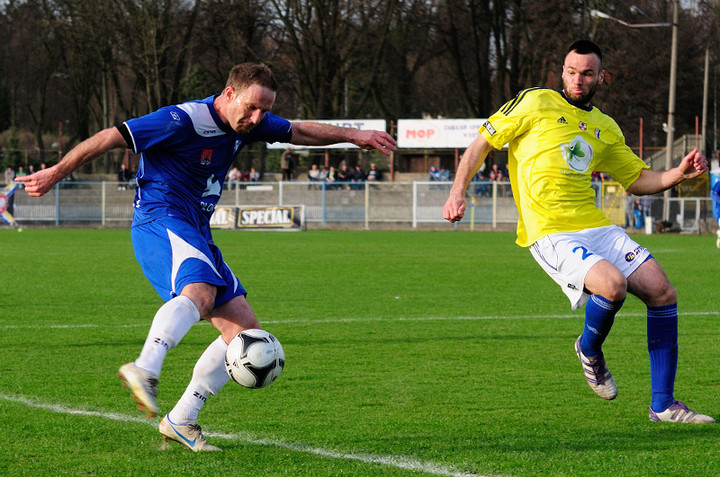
608,288
650,283
209,375
173,255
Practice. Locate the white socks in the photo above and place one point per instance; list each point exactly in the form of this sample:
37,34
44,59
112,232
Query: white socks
209,376
172,321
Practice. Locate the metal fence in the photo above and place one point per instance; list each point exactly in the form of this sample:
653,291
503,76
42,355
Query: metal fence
389,204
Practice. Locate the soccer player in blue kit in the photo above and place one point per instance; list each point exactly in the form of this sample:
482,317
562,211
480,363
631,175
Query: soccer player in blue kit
186,151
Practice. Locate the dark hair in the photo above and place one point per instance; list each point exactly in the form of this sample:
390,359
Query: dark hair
585,47
245,74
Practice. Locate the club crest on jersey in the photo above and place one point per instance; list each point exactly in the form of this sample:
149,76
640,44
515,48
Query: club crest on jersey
597,133
578,154
206,157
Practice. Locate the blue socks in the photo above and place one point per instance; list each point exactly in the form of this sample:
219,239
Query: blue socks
662,336
599,318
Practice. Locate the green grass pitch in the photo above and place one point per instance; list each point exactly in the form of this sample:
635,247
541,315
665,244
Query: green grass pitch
408,354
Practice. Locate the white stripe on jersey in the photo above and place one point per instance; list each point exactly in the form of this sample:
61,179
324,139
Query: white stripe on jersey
203,122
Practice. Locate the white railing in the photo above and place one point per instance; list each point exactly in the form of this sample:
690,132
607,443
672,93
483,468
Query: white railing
408,204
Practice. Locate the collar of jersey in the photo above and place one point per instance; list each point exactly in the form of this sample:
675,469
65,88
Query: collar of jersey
573,103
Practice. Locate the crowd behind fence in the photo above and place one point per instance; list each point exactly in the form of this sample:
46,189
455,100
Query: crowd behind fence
414,205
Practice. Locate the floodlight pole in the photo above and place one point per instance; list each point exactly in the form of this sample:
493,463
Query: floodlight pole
673,80
671,107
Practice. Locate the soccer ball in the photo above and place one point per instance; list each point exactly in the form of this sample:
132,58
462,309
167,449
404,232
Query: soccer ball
254,358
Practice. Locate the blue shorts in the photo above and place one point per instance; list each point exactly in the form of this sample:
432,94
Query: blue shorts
173,253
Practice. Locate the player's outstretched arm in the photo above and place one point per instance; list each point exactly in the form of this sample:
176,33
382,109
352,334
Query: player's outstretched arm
651,182
309,133
472,159
42,181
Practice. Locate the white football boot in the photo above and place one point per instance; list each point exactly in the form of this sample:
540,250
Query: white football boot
143,387
189,435
597,374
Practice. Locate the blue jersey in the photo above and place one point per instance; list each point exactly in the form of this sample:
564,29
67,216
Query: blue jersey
186,151
715,195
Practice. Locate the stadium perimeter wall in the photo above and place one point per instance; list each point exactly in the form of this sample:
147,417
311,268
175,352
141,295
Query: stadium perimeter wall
382,205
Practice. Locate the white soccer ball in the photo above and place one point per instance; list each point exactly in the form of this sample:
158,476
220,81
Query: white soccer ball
254,358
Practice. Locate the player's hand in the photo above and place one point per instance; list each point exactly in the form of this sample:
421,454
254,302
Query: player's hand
693,165
39,183
454,208
379,140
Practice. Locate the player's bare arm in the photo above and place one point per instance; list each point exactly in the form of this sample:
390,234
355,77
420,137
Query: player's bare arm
309,133
472,159
651,182
42,181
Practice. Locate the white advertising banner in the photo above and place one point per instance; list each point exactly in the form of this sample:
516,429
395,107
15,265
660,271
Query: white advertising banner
377,124
437,133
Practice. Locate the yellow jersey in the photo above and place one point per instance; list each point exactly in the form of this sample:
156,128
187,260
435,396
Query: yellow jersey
553,149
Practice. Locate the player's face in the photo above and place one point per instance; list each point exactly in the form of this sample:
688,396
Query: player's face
247,107
582,74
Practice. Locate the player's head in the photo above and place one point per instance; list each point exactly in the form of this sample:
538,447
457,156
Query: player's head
249,93
582,71
245,74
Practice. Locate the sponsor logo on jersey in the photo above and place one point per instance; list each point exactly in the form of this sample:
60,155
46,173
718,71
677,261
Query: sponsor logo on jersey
562,120
175,115
578,154
212,187
206,157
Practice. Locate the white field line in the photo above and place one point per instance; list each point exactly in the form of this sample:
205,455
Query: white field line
399,462
578,315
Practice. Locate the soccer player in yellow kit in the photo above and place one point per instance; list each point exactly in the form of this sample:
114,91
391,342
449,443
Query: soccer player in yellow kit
556,140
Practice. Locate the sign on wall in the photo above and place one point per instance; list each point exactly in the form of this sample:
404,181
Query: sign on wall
363,124
278,217
437,133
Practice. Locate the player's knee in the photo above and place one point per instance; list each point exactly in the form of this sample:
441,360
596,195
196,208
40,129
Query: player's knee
615,288
203,296
666,295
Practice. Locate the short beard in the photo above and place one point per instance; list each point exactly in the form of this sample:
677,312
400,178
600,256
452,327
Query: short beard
582,99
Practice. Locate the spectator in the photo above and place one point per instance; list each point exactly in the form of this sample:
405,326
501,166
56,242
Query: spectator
434,174
358,177
344,174
331,177
322,177
444,174
314,173
496,174
254,175
287,164
9,175
233,178
313,176
482,187
374,174
20,173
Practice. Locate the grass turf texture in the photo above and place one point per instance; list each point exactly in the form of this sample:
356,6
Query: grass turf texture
408,353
